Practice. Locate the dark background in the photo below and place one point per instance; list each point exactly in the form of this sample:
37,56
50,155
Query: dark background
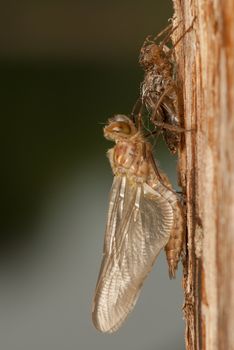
65,67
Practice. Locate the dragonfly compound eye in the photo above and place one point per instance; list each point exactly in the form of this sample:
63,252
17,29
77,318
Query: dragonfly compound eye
121,127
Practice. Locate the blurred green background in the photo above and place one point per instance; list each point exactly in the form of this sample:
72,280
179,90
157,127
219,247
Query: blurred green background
65,67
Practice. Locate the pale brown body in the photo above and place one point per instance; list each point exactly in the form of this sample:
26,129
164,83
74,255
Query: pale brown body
134,157
144,217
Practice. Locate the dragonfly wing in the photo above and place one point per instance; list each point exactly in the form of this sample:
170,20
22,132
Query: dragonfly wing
138,227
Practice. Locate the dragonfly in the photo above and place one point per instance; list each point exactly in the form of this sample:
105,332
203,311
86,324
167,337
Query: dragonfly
145,215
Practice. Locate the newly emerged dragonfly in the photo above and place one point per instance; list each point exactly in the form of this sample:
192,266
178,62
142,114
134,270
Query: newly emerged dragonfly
144,216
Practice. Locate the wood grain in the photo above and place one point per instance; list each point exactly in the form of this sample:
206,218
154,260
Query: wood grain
205,58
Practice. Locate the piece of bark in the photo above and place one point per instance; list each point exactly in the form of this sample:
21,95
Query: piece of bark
205,59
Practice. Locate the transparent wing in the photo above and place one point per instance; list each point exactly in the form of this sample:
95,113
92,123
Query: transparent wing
138,227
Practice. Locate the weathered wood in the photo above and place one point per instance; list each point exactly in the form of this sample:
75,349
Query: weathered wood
206,70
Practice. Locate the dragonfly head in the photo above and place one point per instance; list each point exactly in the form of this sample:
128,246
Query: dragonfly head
120,127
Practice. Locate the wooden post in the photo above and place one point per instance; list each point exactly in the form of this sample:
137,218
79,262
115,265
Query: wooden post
206,72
